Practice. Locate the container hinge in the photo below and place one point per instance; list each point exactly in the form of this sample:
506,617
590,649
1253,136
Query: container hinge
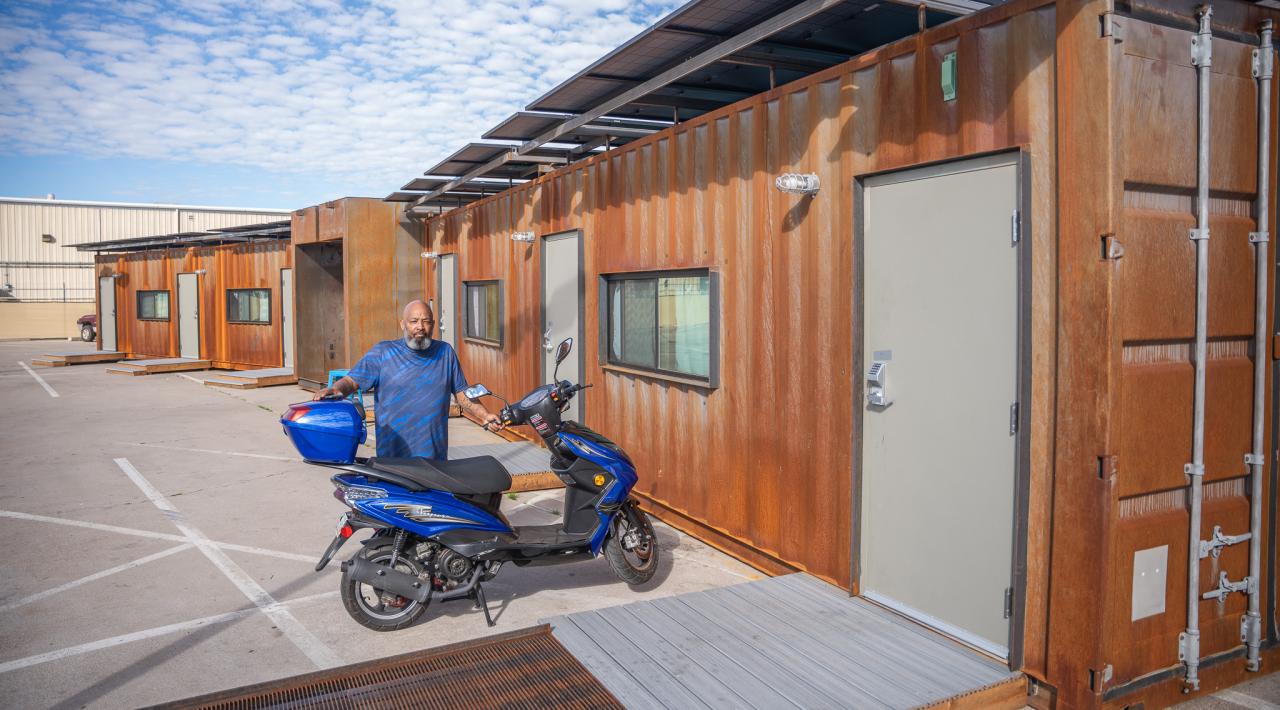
1193,469
1201,51
1259,237
1255,460
1213,546
1112,249
1263,63
1198,234
1013,419
1099,678
1112,26
1226,586
1015,228
1008,602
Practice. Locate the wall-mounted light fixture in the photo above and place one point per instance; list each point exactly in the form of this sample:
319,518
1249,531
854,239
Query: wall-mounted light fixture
806,184
430,255
47,238
200,272
522,236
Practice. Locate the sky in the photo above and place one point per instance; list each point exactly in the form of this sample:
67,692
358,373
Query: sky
274,103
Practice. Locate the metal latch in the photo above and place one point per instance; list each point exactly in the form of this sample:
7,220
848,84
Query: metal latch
1226,586
1213,546
877,385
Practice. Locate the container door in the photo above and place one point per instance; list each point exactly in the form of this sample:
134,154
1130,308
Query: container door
107,312
189,316
562,309
446,314
939,453
286,316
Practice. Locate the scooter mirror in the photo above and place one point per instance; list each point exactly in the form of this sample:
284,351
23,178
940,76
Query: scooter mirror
476,392
562,351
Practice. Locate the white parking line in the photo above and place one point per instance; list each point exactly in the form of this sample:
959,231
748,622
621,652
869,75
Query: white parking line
311,646
154,535
39,379
1239,698
215,451
83,648
95,576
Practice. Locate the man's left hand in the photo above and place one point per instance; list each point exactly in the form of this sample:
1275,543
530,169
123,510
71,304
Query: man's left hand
492,423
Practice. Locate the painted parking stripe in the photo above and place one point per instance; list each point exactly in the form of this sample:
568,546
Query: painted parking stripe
154,535
220,452
93,577
45,385
84,648
310,645
1249,701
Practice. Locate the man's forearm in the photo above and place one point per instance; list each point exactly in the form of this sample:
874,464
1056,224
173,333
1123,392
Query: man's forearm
345,386
475,409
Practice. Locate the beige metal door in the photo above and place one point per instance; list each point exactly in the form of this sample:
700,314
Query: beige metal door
107,312
446,313
562,309
189,316
286,316
940,445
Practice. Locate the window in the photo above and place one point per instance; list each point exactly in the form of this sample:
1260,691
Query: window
249,305
153,305
662,322
484,310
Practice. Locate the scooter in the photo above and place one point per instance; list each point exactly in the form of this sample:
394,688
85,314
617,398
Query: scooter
438,531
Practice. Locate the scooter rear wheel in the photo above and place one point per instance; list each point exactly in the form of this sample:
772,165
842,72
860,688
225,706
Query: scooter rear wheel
632,551
374,608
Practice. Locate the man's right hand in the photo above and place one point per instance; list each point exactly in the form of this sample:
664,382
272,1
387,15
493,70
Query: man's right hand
327,391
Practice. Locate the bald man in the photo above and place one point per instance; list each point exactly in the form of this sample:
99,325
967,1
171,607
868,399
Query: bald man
415,376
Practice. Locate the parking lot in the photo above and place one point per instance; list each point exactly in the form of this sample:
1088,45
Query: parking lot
161,538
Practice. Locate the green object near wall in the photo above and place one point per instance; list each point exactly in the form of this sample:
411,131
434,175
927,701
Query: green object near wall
949,77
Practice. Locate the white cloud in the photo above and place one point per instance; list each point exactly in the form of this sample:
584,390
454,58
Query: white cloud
367,94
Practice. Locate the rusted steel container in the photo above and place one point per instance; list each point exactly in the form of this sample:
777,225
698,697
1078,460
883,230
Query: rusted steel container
225,340
1100,103
359,264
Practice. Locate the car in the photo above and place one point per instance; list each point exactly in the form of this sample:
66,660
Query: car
88,327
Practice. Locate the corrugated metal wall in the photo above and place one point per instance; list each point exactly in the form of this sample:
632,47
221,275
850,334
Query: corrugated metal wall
763,464
43,271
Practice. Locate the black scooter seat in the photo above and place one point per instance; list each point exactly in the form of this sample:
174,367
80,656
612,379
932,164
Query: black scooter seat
472,476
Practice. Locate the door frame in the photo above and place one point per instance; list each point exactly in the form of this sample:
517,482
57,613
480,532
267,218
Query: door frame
1022,442
579,339
439,260
177,291
115,309
289,318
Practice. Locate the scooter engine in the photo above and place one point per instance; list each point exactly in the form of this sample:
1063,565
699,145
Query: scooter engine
454,567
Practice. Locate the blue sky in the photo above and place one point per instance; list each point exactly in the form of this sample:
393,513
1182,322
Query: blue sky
274,103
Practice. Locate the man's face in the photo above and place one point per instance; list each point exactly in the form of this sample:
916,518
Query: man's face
418,325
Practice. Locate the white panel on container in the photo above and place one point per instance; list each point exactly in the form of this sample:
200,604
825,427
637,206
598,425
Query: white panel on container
1150,569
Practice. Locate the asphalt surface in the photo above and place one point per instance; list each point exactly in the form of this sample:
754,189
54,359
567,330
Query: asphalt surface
161,538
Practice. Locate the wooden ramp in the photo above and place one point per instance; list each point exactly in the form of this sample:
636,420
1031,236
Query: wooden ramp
790,641
77,357
164,364
253,379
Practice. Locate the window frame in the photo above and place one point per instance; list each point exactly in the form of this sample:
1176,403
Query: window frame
151,291
466,312
227,302
712,380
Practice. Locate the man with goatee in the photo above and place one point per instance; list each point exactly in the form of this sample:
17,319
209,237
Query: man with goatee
415,377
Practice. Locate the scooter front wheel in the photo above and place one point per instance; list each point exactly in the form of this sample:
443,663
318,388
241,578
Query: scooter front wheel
377,609
632,550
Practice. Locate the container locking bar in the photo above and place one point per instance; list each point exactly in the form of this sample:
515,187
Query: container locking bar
1226,586
1214,545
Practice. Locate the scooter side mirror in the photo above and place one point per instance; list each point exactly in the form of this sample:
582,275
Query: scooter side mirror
477,391
562,351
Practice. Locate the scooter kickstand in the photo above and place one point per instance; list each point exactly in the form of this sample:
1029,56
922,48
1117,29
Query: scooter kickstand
482,604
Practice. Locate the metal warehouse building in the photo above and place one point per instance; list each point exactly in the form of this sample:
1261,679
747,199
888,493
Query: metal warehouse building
41,281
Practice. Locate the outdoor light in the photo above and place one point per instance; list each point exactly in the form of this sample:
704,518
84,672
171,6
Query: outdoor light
200,272
522,236
430,255
47,238
799,184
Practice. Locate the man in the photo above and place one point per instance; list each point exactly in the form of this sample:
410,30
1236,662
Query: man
415,377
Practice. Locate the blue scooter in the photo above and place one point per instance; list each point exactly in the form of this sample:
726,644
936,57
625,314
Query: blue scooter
438,532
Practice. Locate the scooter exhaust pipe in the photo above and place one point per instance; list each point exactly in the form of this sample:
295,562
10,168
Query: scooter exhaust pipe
404,584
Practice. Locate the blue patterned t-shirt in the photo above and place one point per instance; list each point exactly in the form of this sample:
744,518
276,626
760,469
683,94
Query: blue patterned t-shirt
414,387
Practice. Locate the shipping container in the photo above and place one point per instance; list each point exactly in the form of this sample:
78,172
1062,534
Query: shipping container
960,378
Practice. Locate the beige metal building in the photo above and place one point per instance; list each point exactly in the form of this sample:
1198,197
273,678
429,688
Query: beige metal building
45,286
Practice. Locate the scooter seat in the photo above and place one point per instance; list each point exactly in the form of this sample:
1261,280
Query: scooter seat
472,476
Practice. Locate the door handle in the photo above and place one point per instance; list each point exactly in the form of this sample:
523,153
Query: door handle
546,339
877,385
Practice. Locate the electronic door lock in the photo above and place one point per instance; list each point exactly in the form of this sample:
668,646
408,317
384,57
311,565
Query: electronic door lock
877,385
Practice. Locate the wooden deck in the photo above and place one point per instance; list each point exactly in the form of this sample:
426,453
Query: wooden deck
165,364
77,357
790,641
528,464
253,379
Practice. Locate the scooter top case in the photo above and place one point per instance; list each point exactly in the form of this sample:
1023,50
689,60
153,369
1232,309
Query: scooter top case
326,431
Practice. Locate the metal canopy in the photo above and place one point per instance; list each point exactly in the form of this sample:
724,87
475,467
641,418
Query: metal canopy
707,54
224,235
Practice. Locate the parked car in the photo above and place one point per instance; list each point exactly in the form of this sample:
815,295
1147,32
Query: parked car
88,327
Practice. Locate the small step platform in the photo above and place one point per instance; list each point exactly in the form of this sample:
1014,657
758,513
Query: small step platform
77,357
253,379
164,364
